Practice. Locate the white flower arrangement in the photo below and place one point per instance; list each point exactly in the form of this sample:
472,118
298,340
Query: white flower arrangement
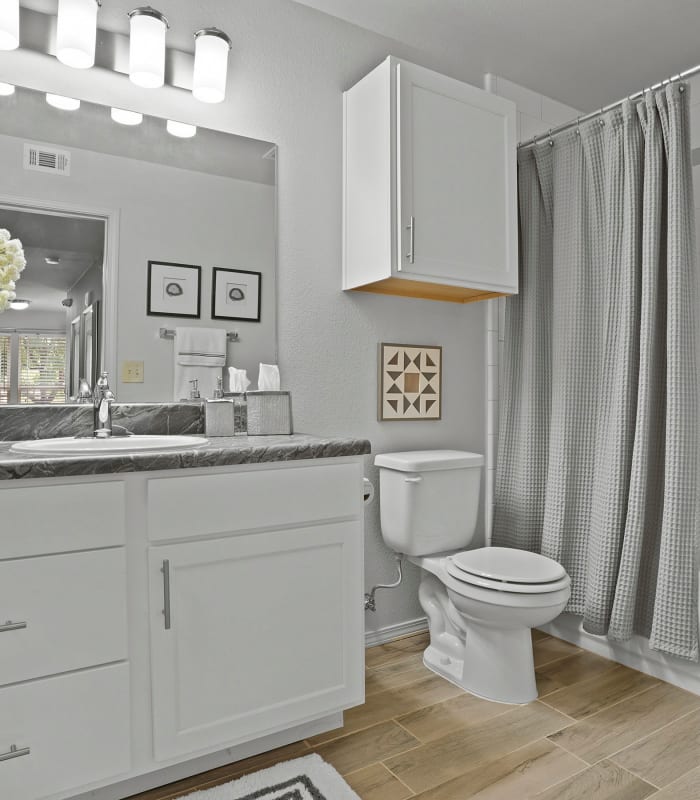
12,262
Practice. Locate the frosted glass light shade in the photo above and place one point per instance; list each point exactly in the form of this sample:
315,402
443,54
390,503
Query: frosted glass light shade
76,32
124,117
147,47
7,89
211,51
9,24
181,129
64,103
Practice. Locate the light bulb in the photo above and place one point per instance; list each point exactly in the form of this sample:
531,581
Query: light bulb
124,117
76,32
64,103
147,47
181,129
211,51
9,24
7,89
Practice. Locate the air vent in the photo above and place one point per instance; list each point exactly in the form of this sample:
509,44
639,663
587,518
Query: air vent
45,158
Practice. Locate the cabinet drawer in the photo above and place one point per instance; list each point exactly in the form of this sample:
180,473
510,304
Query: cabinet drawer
75,728
201,505
72,609
37,520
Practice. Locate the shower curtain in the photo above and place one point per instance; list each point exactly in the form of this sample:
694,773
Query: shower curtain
598,439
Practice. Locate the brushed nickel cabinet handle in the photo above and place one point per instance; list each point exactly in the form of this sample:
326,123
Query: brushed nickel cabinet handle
12,626
14,752
165,569
411,227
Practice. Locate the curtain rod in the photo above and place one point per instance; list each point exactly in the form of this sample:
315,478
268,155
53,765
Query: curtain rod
593,114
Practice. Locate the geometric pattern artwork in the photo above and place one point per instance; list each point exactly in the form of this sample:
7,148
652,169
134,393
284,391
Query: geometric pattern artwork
410,380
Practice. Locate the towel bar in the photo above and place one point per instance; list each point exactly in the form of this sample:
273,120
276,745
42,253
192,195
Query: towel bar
169,333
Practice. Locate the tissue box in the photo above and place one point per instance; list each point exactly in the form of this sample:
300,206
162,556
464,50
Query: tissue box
269,413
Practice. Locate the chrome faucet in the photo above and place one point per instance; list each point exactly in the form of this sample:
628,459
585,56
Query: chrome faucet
102,399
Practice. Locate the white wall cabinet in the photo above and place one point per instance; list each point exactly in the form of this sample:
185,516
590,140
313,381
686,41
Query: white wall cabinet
429,202
260,570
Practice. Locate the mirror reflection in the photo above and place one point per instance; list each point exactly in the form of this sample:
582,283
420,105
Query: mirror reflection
93,202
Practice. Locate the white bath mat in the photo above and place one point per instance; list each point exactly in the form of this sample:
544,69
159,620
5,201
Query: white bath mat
307,778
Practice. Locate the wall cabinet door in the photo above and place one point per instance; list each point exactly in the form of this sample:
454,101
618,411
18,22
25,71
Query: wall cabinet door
457,210
253,634
429,187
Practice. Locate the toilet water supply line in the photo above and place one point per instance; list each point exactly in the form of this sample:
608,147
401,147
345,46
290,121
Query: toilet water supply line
370,602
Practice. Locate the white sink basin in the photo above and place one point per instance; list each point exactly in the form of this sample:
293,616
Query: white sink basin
70,445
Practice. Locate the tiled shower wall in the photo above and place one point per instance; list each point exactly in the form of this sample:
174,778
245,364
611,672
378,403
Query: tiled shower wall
535,115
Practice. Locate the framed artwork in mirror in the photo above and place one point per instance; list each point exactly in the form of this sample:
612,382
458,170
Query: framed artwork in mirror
236,294
174,290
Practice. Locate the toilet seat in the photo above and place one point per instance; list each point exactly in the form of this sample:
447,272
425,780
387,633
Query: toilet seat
507,570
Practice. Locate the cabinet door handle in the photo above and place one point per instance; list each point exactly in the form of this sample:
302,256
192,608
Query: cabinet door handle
411,228
12,626
165,569
14,752
417,479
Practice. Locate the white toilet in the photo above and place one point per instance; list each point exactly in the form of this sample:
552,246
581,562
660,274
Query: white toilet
480,604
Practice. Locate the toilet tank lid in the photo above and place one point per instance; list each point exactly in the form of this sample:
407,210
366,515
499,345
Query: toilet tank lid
425,460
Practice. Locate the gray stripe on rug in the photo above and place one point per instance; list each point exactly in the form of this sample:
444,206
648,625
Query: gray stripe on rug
295,794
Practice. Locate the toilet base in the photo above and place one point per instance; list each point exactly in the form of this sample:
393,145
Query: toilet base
498,665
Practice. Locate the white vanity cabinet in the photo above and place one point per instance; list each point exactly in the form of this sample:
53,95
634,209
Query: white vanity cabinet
64,675
429,176
259,628
187,615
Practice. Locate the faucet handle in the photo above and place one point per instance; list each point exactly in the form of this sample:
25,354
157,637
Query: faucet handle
103,386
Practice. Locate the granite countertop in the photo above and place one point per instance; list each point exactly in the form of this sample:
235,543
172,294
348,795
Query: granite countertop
218,452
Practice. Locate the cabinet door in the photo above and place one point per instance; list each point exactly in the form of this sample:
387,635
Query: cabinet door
456,182
261,632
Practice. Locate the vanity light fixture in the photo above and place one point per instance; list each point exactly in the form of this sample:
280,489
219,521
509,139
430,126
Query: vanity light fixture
211,49
52,261
124,117
19,305
7,89
64,103
181,129
147,47
9,24
76,32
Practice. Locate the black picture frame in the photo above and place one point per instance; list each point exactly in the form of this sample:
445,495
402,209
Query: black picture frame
157,307
218,300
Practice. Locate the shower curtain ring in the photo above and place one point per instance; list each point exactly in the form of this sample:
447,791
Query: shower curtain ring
550,140
578,131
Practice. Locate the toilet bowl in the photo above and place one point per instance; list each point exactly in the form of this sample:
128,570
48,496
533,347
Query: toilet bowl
481,604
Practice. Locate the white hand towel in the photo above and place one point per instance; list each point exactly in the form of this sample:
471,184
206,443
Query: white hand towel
200,353
200,347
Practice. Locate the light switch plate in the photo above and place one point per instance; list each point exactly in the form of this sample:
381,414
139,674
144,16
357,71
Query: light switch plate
132,371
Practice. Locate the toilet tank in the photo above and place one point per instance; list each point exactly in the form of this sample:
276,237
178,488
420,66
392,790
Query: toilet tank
428,499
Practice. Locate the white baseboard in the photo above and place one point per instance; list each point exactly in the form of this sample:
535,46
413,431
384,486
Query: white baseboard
634,653
389,632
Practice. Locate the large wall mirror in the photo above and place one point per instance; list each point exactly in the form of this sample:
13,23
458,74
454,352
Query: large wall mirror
99,205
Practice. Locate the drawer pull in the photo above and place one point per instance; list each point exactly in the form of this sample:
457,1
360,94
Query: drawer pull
165,569
12,626
411,228
14,752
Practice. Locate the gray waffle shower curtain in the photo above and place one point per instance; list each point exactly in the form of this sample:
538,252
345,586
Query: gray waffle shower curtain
598,446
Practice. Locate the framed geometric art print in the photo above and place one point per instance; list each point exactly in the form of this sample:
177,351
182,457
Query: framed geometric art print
410,382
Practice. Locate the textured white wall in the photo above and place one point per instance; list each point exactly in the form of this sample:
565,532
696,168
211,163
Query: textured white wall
289,66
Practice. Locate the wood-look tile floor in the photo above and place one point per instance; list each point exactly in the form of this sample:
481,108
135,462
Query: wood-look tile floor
599,731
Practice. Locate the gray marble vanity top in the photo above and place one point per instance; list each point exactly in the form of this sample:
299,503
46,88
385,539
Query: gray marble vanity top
219,452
